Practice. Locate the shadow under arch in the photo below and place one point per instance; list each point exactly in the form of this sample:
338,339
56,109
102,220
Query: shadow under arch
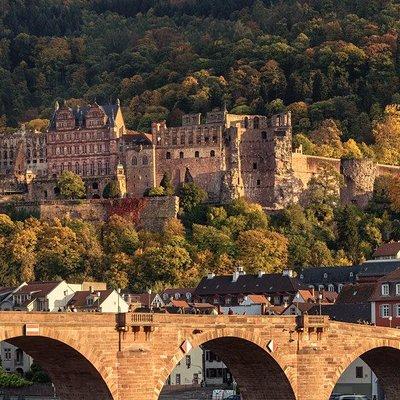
72,374
257,373
384,362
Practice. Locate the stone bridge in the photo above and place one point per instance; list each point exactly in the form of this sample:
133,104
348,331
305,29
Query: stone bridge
130,356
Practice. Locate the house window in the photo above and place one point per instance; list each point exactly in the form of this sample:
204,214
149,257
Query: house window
321,288
196,154
340,287
359,372
7,354
181,155
258,182
325,275
385,310
89,301
331,288
397,289
168,155
385,289
254,165
397,308
188,361
178,379
227,301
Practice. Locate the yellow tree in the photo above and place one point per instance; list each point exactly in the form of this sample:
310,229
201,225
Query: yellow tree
387,136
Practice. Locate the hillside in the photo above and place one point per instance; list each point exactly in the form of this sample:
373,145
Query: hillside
324,59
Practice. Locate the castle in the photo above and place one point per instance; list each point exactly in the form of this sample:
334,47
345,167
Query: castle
228,155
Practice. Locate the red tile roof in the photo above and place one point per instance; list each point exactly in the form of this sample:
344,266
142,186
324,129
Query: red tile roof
39,289
79,298
387,250
258,299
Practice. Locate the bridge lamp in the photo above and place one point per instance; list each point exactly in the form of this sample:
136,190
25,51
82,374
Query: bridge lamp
390,321
119,294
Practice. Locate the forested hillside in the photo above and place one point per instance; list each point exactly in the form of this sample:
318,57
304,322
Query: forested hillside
329,61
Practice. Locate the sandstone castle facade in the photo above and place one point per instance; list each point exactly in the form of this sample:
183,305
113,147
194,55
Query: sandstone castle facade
228,155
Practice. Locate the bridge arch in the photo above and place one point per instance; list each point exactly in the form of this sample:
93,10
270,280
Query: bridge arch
382,356
74,367
260,374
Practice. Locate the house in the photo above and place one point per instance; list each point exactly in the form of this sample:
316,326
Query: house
387,251
189,370
105,301
334,278
215,371
385,301
39,296
144,301
230,290
252,304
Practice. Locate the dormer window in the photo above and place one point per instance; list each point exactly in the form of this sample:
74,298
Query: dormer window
331,288
325,275
89,301
385,289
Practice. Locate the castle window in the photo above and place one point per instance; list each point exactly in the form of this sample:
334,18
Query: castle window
198,138
246,122
190,141
107,168
168,155
84,168
99,168
254,165
258,182
77,169
134,160
69,166
212,153
256,123
214,139
196,154
95,185
264,135
174,139
145,160
92,168
181,155
182,139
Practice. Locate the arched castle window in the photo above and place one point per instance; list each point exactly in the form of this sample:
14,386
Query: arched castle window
212,153
84,168
196,154
145,160
256,123
174,139
190,140
77,168
168,155
181,155
134,160
182,139
69,166
246,122
92,168
99,168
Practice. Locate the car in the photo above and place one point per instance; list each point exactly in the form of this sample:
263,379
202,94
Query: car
234,397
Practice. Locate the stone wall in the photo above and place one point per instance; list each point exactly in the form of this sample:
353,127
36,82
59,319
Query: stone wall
153,211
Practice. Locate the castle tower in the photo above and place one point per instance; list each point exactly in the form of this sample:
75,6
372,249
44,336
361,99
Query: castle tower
121,179
359,177
232,181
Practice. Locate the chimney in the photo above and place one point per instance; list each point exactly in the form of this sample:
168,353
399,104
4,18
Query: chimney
288,272
91,289
210,275
98,294
313,292
238,271
261,274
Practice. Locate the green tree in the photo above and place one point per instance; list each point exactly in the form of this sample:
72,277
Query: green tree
71,185
167,185
190,196
112,190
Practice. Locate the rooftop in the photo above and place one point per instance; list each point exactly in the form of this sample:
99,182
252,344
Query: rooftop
387,250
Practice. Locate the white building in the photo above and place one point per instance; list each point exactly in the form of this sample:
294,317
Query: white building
14,359
252,304
189,370
105,301
216,372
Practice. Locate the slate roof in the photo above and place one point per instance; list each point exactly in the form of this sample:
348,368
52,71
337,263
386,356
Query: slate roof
387,250
79,298
335,275
134,138
247,284
357,293
110,110
38,289
353,313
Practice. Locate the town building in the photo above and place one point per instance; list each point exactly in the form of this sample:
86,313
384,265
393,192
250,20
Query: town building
189,370
387,251
230,290
144,301
105,301
252,304
177,294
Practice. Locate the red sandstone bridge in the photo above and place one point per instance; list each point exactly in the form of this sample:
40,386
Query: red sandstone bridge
130,356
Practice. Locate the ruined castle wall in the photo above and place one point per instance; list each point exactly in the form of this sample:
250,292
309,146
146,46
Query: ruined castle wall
156,211
305,166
